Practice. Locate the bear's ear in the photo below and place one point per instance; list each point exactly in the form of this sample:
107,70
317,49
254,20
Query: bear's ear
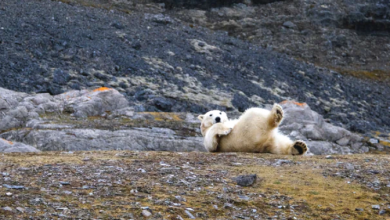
200,117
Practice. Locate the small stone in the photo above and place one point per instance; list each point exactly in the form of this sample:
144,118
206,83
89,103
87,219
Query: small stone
141,170
329,157
201,44
373,141
146,213
382,212
349,166
374,171
13,186
227,205
67,192
62,208
280,162
7,209
359,209
245,180
189,214
20,209
243,197
64,183
8,194
377,207
289,24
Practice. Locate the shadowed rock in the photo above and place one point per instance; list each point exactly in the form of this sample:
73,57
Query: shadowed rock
246,180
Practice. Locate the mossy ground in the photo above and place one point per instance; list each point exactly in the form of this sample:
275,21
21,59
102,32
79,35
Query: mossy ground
114,184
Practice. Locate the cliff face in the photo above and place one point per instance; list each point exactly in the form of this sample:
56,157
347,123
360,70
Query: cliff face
164,60
166,185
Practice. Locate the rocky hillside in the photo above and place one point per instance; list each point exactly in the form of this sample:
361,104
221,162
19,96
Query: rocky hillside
162,61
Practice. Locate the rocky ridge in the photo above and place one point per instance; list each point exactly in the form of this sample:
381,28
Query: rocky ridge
101,119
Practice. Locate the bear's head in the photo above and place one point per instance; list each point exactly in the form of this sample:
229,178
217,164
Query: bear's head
211,118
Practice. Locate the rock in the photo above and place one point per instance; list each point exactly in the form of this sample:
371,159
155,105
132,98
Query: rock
329,157
20,147
245,180
64,183
60,77
162,104
373,141
313,132
203,47
349,166
88,103
189,214
95,139
382,212
146,213
303,123
377,207
280,162
289,24
7,209
359,209
320,147
13,186
343,141
22,210
159,18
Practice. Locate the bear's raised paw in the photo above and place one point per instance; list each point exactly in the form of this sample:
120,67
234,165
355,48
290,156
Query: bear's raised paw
278,113
300,147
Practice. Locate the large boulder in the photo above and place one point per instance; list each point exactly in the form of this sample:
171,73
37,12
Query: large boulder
9,146
301,122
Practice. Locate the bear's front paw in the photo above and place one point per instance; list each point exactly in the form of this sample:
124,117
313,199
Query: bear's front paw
300,147
226,132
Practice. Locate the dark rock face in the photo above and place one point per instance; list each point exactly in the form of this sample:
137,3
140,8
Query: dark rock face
207,4
188,69
202,4
373,19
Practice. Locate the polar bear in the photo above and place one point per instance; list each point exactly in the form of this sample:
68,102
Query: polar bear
256,131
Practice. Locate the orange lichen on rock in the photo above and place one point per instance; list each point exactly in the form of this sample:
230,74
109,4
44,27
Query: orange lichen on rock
102,89
301,104
10,142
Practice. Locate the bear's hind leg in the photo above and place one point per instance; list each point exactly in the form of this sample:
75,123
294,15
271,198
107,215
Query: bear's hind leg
299,147
276,115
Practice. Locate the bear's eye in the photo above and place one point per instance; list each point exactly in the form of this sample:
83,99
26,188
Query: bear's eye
211,115
220,113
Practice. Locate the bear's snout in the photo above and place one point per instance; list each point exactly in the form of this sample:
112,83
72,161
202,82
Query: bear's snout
217,119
